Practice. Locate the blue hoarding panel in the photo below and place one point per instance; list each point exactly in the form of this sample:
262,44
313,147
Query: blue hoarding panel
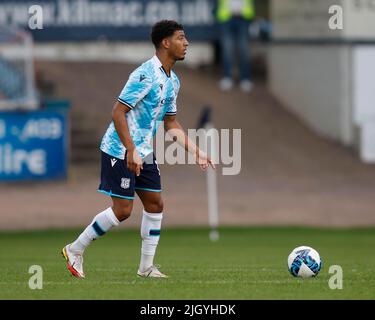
33,145
76,20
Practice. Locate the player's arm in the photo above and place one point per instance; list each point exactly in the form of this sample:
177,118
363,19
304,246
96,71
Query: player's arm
134,161
174,128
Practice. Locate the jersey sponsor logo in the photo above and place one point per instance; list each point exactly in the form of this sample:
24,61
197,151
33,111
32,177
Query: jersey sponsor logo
142,77
125,183
167,100
113,162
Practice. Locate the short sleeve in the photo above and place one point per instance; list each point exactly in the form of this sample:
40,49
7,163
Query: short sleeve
136,88
172,109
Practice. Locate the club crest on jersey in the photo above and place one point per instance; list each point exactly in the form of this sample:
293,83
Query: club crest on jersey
125,183
142,77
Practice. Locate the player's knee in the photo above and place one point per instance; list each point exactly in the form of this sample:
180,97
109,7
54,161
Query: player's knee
155,206
122,212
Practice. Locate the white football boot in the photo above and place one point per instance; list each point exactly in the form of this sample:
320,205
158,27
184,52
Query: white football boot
226,84
246,85
152,272
74,262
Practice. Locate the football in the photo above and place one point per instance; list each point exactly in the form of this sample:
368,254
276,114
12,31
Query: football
304,262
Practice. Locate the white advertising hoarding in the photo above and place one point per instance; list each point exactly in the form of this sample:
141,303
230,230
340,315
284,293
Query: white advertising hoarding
359,19
308,19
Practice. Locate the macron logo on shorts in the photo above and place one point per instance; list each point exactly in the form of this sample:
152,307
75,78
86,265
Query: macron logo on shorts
113,162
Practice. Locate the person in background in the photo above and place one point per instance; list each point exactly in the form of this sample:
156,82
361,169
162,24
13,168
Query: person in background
234,17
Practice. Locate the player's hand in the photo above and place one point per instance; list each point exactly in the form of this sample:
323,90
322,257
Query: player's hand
134,162
204,161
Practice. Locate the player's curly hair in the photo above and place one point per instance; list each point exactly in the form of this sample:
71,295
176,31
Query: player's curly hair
164,29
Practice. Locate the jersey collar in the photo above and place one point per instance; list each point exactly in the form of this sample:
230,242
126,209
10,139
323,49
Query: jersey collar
158,65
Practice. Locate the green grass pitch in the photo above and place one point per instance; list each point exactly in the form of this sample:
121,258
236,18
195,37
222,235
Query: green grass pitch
246,263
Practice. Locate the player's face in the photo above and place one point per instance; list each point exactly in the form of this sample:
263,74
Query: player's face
178,45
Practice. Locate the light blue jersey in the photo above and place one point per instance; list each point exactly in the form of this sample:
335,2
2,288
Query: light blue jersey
150,94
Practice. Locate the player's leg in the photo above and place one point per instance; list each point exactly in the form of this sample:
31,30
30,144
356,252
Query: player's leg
102,223
148,188
122,208
150,231
99,226
117,182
